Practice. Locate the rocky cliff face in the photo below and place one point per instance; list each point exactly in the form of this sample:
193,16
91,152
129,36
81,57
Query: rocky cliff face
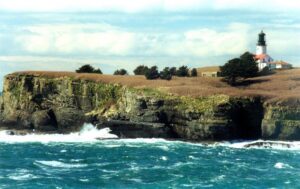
281,122
63,104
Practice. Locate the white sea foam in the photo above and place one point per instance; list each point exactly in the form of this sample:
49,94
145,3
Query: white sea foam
84,180
88,133
136,180
20,177
147,140
164,147
280,145
218,178
280,165
21,174
59,164
192,157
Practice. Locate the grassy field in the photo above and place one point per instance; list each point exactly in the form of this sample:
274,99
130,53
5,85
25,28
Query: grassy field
281,87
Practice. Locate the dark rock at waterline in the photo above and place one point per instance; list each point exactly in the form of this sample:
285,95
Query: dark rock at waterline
44,120
128,129
68,119
268,144
10,132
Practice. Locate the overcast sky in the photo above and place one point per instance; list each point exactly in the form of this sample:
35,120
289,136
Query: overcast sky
112,34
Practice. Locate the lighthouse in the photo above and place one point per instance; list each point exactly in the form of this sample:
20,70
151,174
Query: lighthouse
261,47
262,58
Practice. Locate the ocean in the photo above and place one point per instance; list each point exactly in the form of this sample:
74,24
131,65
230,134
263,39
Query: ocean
81,160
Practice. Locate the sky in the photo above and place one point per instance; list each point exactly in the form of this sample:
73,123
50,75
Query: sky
63,35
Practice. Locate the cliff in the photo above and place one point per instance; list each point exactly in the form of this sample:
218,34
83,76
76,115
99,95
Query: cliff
63,103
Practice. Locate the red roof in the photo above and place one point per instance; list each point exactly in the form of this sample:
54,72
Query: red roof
260,56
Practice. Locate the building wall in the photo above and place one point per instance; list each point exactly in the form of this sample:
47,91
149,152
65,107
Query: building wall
210,74
261,50
264,62
279,66
262,65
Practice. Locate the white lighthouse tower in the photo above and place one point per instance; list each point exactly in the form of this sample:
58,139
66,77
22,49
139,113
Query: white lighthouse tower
261,47
261,57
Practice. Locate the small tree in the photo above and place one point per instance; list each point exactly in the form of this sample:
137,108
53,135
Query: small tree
152,73
173,71
182,71
231,70
121,72
86,69
239,68
98,71
140,70
194,72
250,68
166,74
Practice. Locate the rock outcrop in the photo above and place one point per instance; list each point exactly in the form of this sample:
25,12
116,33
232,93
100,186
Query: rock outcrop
281,121
63,104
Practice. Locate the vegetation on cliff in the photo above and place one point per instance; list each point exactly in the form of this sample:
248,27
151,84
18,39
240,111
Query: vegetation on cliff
88,69
239,68
281,87
191,108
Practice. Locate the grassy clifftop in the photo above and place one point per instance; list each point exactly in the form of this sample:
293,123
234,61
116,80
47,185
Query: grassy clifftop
192,108
281,87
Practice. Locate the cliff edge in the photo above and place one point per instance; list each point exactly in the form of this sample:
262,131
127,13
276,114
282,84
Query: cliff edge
62,102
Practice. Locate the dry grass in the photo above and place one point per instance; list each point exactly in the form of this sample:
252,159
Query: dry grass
209,69
279,87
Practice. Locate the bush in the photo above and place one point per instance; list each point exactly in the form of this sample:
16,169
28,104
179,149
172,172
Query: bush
239,68
173,71
88,69
194,72
85,69
140,70
152,73
121,72
166,74
182,71
98,71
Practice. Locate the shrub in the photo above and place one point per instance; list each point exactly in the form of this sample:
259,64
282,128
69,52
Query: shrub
121,72
194,72
140,70
88,69
152,73
98,71
166,74
182,71
85,69
173,71
231,70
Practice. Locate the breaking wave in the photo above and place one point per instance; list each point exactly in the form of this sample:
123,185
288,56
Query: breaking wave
59,164
88,133
263,144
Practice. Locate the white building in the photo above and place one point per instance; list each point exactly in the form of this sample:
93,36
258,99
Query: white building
279,65
263,59
261,56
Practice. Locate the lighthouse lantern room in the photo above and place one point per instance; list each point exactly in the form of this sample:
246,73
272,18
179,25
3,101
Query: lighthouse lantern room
261,57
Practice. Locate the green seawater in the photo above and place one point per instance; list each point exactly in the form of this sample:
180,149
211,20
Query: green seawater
144,163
